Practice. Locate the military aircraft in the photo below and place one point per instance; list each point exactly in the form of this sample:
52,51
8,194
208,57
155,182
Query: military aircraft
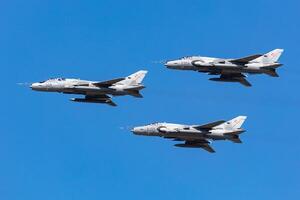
95,92
230,70
195,136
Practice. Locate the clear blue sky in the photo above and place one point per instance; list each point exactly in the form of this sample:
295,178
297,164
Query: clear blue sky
51,148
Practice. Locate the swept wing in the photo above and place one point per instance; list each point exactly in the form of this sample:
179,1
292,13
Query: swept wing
108,83
245,60
209,125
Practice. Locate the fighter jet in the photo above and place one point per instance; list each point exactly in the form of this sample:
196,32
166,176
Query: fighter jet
231,70
196,136
95,92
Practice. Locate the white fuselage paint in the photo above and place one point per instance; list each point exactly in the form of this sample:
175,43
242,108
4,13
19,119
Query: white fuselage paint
208,64
77,86
179,131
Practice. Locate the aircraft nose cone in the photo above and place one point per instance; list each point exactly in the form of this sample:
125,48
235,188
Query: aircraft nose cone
167,64
172,64
134,130
34,86
137,130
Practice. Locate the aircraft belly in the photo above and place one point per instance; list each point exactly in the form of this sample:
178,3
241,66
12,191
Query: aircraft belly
216,137
251,70
220,68
117,93
203,69
239,69
48,90
193,68
183,135
86,91
70,91
229,69
186,68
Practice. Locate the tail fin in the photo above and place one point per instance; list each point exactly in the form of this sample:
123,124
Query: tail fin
135,79
233,124
271,57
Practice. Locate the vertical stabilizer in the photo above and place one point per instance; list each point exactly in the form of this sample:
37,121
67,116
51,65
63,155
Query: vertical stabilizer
233,124
134,79
271,57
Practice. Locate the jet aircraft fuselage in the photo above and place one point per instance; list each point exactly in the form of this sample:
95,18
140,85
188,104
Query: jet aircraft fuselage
77,86
197,63
95,92
230,70
184,131
195,136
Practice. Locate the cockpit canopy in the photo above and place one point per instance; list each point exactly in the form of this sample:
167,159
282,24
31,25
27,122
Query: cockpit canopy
58,79
155,123
185,57
188,57
53,80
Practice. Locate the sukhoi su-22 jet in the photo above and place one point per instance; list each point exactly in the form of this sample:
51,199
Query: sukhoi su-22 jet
195,136
95,92
231,70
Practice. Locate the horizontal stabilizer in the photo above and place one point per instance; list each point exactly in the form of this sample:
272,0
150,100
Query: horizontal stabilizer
235,140
270,71
135,93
